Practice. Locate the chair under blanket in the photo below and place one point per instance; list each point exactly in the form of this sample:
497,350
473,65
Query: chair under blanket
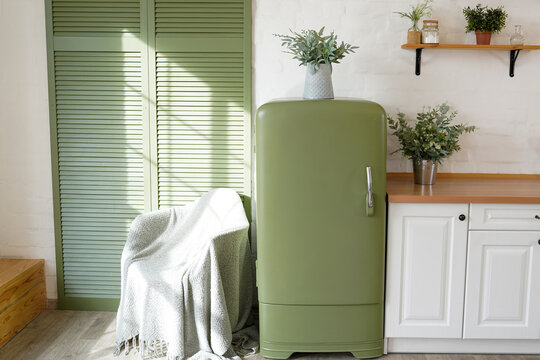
186,280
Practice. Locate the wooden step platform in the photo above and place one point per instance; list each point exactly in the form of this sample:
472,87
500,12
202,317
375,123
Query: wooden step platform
22,294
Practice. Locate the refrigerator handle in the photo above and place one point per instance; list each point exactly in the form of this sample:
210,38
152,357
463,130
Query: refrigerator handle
370,206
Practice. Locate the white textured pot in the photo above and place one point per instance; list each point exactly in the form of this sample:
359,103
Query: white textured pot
318,83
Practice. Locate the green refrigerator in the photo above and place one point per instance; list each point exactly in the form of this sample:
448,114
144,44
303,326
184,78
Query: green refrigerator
321,209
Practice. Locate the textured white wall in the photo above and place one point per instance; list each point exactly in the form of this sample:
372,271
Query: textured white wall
475,83
26,210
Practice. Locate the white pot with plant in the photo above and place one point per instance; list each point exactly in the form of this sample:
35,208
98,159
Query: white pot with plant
417,12
429,141
318,52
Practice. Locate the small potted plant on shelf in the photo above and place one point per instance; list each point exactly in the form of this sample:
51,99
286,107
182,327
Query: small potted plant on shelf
484,21
430,140
317,52
414,35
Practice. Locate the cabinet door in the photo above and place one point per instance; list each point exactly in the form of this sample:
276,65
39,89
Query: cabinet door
503,285
425,270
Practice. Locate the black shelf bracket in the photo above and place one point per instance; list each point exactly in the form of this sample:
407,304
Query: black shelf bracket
513,57
514,53
419,61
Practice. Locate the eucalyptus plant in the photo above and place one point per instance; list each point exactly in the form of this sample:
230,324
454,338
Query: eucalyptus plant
485,19
417,12
432,137
314,48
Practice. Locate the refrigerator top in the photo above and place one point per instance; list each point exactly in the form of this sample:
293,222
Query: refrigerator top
315,100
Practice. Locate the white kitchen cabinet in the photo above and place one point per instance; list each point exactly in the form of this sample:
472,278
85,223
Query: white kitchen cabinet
469,285
503,283
427,246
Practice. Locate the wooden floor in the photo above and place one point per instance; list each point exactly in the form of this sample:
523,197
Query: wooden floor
84,335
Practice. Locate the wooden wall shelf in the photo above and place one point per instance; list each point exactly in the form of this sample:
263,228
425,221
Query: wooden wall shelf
514,51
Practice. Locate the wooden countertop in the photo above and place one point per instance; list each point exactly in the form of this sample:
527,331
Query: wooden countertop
466,188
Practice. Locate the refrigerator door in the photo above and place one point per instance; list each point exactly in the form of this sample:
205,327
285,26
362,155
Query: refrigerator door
318,240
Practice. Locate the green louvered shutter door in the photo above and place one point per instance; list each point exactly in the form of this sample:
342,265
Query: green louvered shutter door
96,91
150,107
202,71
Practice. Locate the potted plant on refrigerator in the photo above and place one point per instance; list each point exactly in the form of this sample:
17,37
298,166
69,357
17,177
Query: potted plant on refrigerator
484,21
429,141
318,52
414,35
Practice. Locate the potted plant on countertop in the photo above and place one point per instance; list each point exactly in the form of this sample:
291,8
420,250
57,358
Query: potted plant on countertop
317,52
429,141
484,21
414,35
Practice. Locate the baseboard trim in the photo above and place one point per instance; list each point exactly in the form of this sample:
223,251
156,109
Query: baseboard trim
463,346
52,304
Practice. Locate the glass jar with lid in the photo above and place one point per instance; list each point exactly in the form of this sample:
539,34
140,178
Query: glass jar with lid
430,32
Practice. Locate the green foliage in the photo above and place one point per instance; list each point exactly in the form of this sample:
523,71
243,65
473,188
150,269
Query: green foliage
485,19
432,137
312,47
417,12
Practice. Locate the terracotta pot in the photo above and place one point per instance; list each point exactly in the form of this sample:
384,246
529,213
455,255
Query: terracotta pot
483,38
414,37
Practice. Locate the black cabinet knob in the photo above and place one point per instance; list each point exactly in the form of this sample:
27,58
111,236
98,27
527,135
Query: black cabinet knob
462,217
538,242
537,217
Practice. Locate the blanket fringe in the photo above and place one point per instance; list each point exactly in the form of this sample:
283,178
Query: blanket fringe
146,349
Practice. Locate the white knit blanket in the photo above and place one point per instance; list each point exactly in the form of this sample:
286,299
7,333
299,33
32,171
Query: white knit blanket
187,282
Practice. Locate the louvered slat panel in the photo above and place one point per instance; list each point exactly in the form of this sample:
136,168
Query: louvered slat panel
95,17
200,124
224,18
99,134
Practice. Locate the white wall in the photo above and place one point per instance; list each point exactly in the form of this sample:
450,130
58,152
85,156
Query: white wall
475,83
26,210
